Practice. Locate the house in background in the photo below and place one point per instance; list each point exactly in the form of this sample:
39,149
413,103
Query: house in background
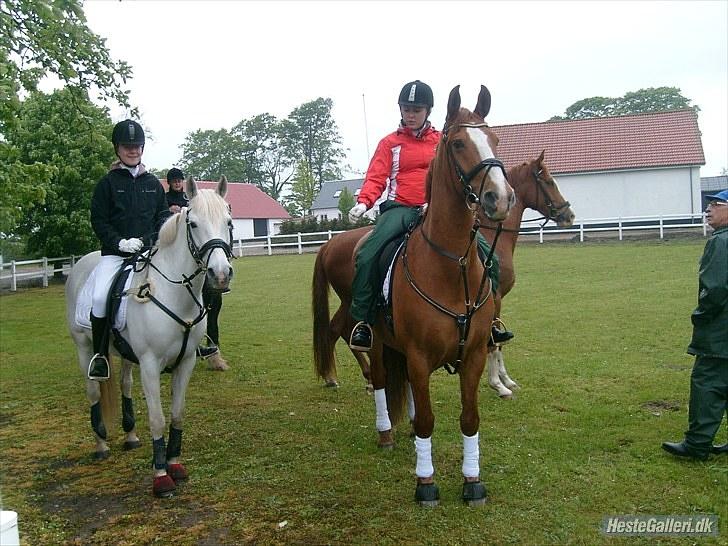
255,213
635,165
326,204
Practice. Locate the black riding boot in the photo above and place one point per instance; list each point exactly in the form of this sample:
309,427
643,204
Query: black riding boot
500,335
206,352
98,368
361,337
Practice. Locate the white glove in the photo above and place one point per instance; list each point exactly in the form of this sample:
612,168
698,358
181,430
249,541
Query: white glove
130,246
356,211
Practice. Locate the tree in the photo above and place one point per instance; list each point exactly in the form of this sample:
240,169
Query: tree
267,164
67,133
311,134
303,191
40,38
346,201
208,154
651,99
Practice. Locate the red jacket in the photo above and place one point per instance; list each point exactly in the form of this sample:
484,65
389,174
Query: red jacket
400,165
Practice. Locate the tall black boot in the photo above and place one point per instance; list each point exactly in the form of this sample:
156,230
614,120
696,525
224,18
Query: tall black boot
98,368
499,334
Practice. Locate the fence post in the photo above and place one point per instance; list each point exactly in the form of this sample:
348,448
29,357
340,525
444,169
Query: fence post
662,232
300,248
1,263
270,247
620,228
581,232
73,261
45,272
540,234
705,226
330,235
13,280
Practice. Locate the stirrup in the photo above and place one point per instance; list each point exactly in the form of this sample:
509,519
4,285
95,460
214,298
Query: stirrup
206,352
499,327
91,366
359,344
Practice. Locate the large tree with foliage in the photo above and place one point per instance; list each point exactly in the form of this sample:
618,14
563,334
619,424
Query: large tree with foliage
651,99
266,162
346,201
40,38
209,154
311,135
66,132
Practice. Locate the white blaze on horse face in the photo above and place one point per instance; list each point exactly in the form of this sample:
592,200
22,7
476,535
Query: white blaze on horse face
503,192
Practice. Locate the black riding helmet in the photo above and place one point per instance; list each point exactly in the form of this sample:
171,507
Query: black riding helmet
175,174
416,93
128,132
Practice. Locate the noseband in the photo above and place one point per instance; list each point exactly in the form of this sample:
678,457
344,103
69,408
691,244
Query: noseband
466,178
198,253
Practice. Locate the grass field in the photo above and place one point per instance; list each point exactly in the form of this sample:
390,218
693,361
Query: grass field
276,458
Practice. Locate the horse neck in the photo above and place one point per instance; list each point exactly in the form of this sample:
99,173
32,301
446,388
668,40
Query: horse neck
175,261
449,221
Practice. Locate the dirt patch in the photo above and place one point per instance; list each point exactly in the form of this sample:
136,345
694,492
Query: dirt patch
657,407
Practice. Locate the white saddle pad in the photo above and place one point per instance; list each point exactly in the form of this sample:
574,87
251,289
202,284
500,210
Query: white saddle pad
385,286
84,303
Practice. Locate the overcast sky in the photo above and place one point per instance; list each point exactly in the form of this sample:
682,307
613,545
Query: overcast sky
208,65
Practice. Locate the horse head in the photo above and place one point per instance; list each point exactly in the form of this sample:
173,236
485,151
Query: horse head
209,228
470,147
544,195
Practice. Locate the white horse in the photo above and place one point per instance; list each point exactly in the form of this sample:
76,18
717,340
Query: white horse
165,321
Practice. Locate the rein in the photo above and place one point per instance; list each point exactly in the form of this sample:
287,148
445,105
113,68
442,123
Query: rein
144,291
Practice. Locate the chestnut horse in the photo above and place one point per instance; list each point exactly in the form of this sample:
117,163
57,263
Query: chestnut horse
535,189
442,302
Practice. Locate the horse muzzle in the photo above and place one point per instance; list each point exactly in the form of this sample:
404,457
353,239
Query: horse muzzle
498,202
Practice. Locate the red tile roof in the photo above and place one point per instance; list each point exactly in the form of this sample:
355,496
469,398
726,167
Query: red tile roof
248,200
661,139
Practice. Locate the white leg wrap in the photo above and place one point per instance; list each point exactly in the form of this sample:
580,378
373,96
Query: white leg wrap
471,456
380,401
423,448
410,402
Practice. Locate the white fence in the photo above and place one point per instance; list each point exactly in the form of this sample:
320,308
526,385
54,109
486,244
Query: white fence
299,243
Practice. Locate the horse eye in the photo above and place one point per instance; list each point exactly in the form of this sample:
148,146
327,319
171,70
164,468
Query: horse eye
458,144
193,225
230,223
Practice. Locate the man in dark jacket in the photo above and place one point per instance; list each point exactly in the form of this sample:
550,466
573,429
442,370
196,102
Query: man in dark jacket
127,209
709,380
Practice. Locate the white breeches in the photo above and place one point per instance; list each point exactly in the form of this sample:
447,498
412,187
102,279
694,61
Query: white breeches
103,277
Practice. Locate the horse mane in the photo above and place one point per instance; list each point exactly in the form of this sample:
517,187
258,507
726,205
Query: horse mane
206,203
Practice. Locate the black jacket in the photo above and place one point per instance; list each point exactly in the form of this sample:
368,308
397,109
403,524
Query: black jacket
123,207
178,198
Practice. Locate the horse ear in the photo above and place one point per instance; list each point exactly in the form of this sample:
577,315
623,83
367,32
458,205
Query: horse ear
483,106
453,104
222,186
191,188
540,158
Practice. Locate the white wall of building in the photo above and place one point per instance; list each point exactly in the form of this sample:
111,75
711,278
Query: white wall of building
649,192
243,227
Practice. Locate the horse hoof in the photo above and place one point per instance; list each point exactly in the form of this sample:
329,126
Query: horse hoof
370,389
385,440
506,396
178,472
427,495
133,444
511,385
332,384
101,455
163,487
474,494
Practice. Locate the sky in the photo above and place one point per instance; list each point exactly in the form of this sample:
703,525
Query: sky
209,64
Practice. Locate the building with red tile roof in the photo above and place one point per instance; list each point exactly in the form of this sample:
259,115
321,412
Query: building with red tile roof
255,213
635,165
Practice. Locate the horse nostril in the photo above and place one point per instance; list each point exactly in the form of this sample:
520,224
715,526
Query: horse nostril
490,199
230,272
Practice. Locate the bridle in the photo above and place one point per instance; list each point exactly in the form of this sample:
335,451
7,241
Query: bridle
198,255
462,320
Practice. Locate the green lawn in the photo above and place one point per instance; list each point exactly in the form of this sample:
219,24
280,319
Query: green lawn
600,354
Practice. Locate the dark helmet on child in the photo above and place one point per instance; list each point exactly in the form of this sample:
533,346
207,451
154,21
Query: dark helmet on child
128,132
416,93
175,174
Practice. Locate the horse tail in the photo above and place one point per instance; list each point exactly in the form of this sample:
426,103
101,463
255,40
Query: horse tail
323,348
110,400
395,365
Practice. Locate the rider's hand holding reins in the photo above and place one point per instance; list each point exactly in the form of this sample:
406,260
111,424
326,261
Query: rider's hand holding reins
356,211
131,246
